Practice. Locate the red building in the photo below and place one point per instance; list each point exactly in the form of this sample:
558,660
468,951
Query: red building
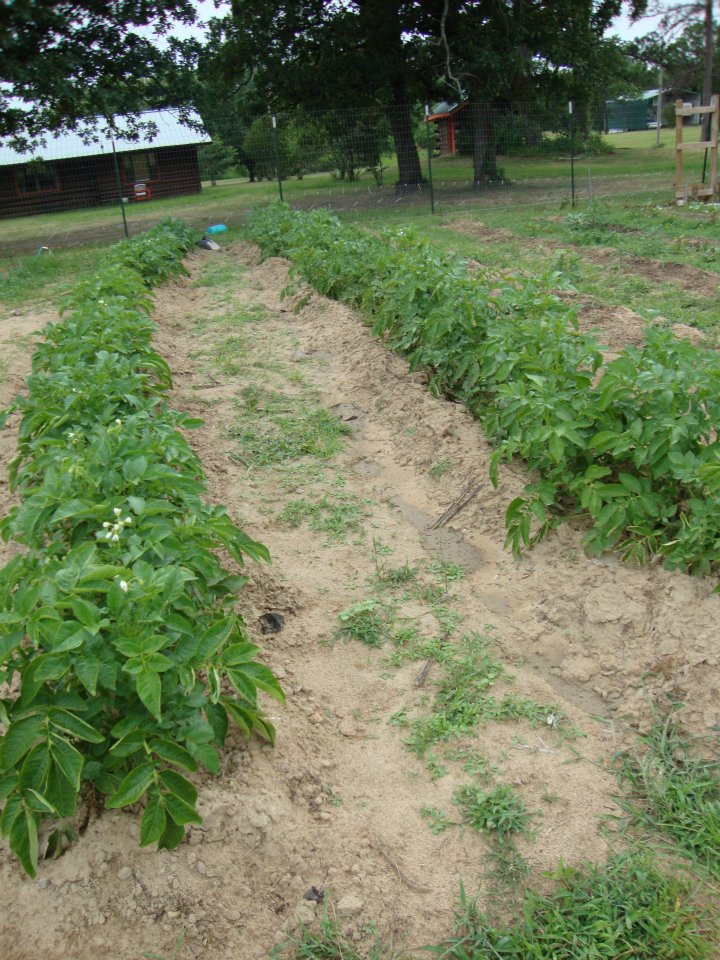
67,174
449,119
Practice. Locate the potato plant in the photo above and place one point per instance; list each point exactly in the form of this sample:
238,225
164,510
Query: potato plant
630,445
121,651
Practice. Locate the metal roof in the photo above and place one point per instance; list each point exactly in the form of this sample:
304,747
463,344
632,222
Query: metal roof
168,130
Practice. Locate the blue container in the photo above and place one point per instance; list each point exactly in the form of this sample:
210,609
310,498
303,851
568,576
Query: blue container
218,228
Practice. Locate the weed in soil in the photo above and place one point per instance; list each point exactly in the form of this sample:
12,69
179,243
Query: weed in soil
289,436
499,810
334,514
366,622
626,908
676,794
327,942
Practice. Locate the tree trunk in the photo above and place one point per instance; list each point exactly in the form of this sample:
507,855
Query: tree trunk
482,122
383,25
708,67
409,169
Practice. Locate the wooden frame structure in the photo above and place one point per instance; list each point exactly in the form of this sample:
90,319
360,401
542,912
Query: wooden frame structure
699,191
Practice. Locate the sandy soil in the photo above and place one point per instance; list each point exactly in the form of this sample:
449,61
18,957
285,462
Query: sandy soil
336,804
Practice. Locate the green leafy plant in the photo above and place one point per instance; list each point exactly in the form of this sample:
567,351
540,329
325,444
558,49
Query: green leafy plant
365,622
623,443
122,654
498,810
675,784
626,908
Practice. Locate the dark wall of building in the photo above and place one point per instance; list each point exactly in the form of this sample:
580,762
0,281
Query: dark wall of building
91,182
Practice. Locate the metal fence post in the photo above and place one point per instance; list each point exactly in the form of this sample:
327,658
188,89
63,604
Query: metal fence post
119,186
277,155
572,155
429,155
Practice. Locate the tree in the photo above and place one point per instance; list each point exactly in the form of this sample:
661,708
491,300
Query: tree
495,53
65,62
685,46
215,159
321,55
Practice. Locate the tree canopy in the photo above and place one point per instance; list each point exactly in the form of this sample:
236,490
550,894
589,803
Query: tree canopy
66,62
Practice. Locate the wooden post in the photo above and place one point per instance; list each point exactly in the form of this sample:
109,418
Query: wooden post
714,130
700,191
678,150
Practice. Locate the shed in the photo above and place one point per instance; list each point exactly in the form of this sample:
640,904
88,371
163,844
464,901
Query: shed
448,119
68,173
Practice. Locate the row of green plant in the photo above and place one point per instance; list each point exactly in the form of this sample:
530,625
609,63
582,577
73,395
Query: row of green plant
629,443
121,651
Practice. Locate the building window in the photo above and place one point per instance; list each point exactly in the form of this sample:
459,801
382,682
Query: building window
37,177
140,167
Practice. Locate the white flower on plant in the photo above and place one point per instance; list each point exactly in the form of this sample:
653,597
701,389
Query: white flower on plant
551,720
118,422
123,584
112,531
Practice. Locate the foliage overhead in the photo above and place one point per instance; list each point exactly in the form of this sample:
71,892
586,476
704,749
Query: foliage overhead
65,63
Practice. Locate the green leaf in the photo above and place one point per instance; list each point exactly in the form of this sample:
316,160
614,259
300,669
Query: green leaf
133,786
68,759
87,613
9,642
7,785
72,642
149,689
19,738
180,811
36,766
206,755
73,725
173,835
265,679
60,792
244,685
23,839
214,638
152,825
241,716
177,785
631,482
238,653
173,753
218,720
87,670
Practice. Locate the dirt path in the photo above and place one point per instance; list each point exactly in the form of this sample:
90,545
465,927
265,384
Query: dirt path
337,804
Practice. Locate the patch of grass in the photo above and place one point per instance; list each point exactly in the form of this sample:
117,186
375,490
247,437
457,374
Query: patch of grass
228,356
676,793
438,469
393,577
437,821
463,700
478,766
304,432
366,622
499,810
625,909
220,273
327,942
334,514
46,276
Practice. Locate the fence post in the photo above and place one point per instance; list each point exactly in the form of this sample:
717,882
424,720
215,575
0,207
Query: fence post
119,186
572,155
277,155
429,153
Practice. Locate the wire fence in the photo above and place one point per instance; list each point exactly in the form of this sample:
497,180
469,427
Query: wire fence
432,158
